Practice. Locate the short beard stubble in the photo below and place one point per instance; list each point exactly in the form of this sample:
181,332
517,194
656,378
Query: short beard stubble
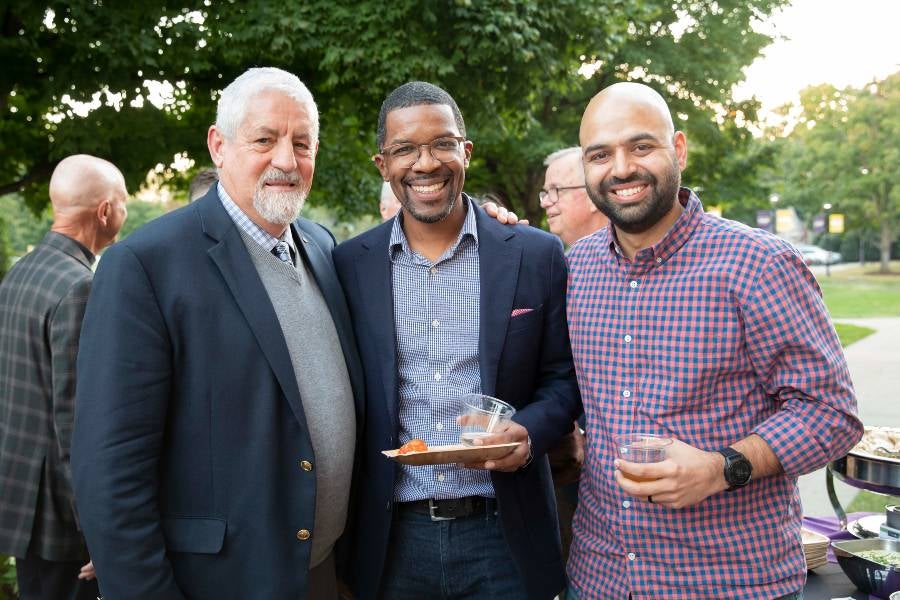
641,217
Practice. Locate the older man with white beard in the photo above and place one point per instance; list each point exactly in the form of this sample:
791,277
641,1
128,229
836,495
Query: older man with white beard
218,380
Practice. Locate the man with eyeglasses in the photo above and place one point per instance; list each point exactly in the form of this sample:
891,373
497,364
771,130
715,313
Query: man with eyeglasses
446,301
570,213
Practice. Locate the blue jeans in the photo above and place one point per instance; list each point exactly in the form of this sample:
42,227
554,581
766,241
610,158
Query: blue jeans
444,560
571,594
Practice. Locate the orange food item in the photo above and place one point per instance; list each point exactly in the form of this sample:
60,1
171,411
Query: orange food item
414,445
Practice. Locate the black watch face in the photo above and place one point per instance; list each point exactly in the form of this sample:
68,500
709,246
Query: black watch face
740,471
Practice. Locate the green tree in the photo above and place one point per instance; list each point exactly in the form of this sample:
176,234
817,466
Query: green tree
515,67
844,151
4,248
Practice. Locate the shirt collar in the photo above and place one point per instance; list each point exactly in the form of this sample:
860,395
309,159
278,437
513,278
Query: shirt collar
257,233
399,243
675,238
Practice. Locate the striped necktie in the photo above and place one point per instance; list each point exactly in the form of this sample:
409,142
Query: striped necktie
283,252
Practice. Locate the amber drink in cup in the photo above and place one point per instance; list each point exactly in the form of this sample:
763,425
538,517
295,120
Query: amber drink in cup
642,448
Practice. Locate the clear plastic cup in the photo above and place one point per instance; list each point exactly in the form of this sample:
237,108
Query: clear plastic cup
480,416
642,448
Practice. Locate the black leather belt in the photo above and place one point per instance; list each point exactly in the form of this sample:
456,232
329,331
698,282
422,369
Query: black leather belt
457,508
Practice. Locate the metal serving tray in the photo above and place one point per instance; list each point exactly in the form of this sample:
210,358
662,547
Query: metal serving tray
868,472
863,471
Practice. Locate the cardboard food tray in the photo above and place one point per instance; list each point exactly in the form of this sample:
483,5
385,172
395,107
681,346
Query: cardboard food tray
455,453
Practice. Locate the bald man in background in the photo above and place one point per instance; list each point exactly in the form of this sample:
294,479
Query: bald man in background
42,301
570,213
388,205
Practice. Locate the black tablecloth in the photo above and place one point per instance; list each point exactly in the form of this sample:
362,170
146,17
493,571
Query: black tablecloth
830,582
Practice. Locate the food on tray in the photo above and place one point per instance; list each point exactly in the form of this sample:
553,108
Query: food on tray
882,557
883,442
413,445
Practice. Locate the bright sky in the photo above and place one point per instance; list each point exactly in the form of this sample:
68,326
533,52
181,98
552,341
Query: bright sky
828,41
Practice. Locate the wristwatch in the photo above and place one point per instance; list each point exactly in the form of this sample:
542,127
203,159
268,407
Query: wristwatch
737,468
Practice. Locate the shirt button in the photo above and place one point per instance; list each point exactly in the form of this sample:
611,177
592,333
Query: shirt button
433,270
627,338
440,477
658,259
626,504
631,556
439,426
626,394
303,535
435,323
633,284
437,376
306,465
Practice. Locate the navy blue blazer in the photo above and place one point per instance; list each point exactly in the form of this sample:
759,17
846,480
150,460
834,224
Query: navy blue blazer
189,427
525,361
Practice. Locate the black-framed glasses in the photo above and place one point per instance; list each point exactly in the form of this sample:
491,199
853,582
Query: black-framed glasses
405,154
552,195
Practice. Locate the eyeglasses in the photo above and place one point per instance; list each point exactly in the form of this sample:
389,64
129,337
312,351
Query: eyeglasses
552,195
405,154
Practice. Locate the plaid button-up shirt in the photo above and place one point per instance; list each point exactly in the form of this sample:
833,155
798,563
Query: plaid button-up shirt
716,332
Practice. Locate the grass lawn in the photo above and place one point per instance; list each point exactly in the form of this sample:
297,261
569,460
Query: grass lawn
871,502
851,333
860,292
855,292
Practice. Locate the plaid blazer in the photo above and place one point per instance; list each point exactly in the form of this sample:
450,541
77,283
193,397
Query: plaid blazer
42,302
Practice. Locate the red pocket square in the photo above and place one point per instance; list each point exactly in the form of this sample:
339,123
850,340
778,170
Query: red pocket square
520,311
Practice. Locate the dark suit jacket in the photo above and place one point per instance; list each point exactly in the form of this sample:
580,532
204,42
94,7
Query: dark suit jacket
524,360
190,429
42,301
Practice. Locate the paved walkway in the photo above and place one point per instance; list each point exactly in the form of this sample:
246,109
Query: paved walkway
875,368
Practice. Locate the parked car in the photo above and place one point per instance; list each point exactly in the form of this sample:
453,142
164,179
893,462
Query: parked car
813,255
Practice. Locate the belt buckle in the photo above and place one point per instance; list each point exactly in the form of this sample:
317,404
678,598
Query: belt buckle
434,517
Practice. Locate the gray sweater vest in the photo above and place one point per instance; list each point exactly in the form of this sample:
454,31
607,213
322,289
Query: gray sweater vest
324,384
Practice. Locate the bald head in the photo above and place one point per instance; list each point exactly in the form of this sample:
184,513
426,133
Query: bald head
81,182
88,197
632,157
628,98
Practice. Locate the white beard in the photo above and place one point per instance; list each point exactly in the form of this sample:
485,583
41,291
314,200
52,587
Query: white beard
279,208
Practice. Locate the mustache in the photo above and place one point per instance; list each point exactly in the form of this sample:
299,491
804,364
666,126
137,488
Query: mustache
278,176
636,178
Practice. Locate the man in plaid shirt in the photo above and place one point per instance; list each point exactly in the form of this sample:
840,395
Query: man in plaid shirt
701,329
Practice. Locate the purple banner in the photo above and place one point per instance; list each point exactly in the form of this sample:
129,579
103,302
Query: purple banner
818,223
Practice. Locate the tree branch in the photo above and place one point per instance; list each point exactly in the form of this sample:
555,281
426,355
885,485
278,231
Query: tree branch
37,174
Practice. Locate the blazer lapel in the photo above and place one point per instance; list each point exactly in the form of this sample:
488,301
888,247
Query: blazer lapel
499,259
231,258
373,272
322,269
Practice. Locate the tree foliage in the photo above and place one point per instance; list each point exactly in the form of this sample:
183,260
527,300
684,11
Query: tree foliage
515,68
844,151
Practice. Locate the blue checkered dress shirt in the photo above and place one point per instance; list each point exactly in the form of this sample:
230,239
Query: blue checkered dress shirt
436,312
